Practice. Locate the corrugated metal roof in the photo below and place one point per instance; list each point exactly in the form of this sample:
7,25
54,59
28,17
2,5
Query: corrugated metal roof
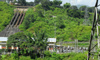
51,40
3,38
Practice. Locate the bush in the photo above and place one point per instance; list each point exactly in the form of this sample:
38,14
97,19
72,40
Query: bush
6,14
47,54
6,57
25,58
15,55
79,56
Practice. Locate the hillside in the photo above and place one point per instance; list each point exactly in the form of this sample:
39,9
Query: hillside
65,24
56,23
6,14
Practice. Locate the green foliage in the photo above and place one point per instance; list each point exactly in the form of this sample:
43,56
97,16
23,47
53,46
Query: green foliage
47,54
83,8
80,56
29,17
25,58
75,13
6,14
3,56
53,56
59,22
37,2
45,4
15,55
40,40
67,5
35,42
74,7
22,2
43,21
30,3
16,38
7,57
67,56
91,9
57,2
67,28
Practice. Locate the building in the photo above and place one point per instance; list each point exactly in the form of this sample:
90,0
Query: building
3,43
50,47
51,44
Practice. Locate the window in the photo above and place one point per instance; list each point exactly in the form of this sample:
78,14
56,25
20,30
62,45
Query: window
3,45
3,42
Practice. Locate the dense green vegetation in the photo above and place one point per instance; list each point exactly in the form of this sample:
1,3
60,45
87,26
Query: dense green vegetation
49,56
63,23
48,19
28,44
6,14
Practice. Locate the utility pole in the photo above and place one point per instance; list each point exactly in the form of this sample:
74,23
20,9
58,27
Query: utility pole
98,40
86,16
98,36
76,45
93,30
54,26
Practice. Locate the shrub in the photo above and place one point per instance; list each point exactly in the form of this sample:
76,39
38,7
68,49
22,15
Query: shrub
25,58
6,14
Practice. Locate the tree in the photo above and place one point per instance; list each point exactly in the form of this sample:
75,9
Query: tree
59,22
75,13
83,8
22,41
67,5
40,41
16,40
29,18
57,2
30,3
15,1
91,9
6,14
45,4
22,2
74,7
37,2
27,43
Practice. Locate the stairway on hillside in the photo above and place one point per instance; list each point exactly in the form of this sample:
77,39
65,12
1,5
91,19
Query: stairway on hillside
12,28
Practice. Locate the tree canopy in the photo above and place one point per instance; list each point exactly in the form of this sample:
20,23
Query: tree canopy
59,22
28,43
83,8
67,5
6,14
22,2
56,21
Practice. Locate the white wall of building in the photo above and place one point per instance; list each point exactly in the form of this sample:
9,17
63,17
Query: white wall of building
0,47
